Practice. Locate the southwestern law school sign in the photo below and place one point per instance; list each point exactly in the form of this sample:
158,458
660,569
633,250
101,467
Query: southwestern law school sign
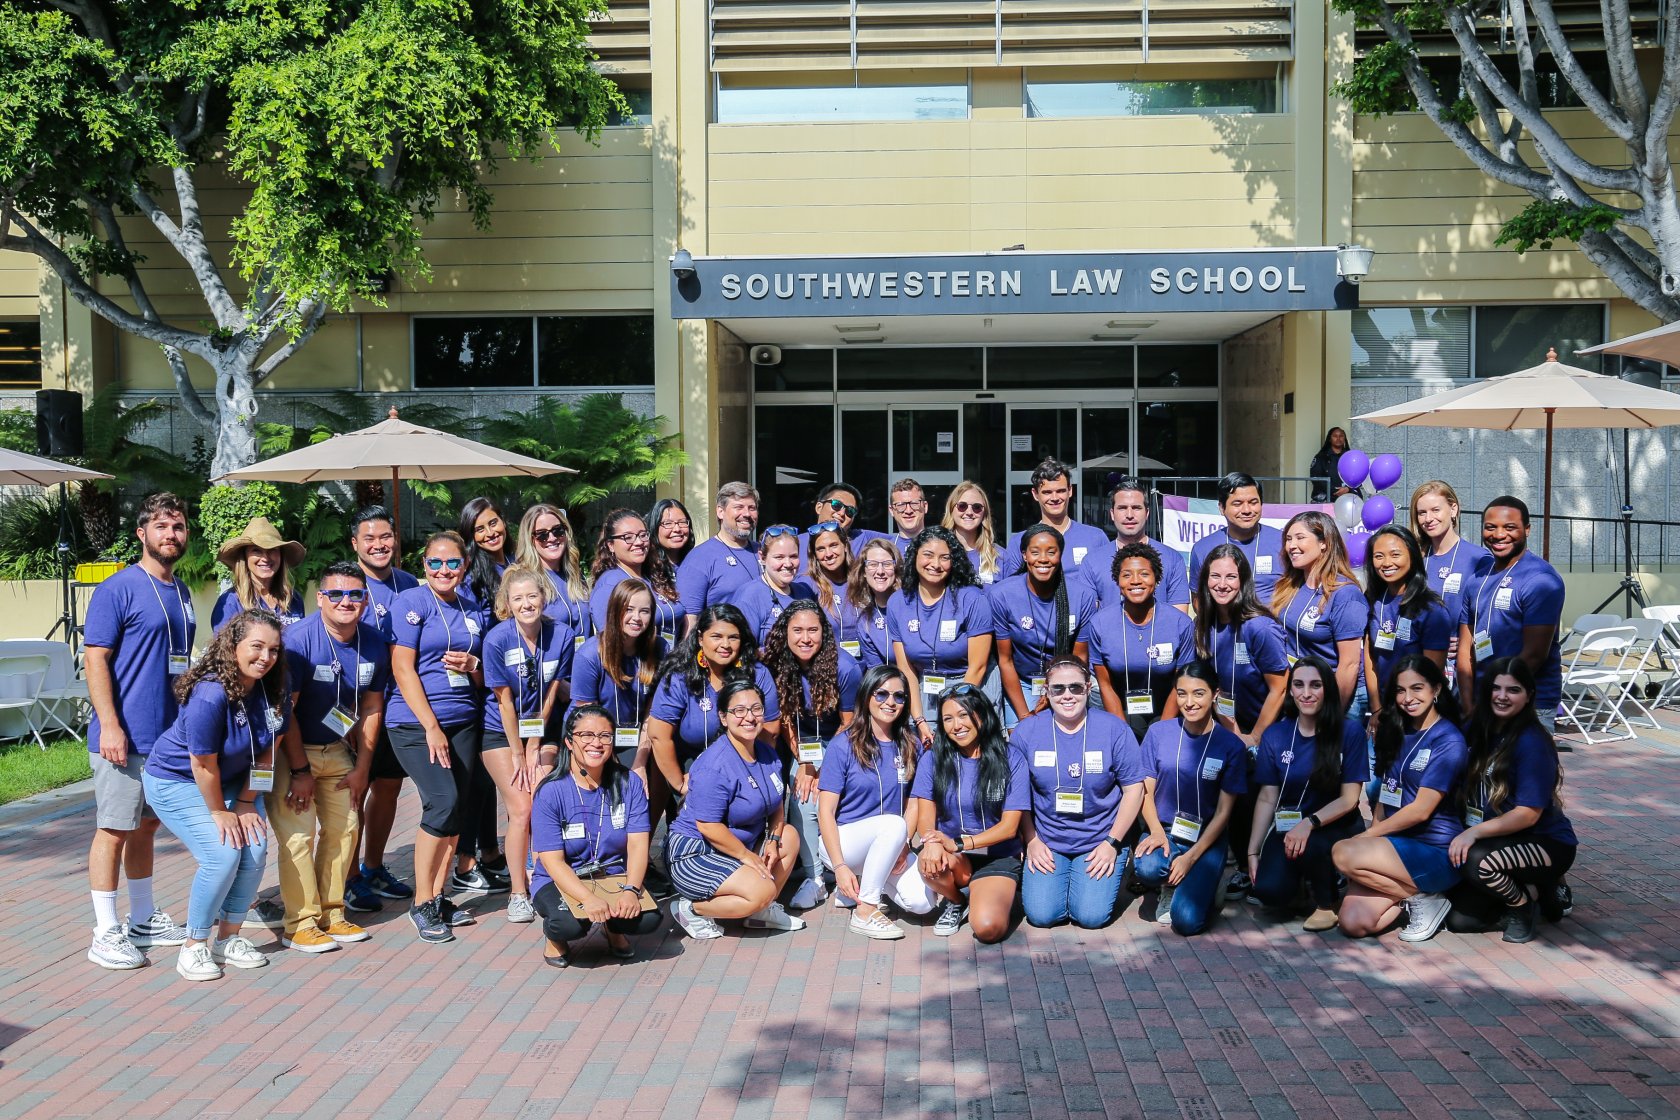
1008,283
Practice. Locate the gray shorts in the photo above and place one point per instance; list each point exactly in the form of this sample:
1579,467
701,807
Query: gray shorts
118,798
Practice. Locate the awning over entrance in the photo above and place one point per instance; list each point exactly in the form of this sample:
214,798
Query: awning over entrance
1016,330
1145,283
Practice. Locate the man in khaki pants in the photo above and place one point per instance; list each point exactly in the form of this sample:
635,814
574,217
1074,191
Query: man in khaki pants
337,669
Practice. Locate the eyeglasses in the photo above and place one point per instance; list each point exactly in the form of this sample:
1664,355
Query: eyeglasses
780,531
882,696
824,527
592,736
437,563
632,538
543,536
839,506
910,507
346,594
1068,689
684,523
742,711
879,566
970,507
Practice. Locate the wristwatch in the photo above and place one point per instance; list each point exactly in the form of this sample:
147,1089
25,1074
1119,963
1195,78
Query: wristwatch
1316,823
637,891
299,771
916,844
1115,844
962,843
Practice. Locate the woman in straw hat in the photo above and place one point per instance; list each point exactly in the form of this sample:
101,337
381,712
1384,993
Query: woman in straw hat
261,562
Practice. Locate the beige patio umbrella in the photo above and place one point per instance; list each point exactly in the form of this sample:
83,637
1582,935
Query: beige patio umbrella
395,449
1550,395
20,469
1660,344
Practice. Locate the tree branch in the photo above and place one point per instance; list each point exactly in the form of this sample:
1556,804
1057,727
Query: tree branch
1625,121
1668,96
189,121
313,313
1641,286
200,260
1623,62
196,256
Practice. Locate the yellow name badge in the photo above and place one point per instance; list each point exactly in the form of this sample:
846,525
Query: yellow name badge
1186,828
339,720
1070,803
577,642
1226,707
1035,688
811,751
933,686
1285,819
853,648
1139,704
530,728
262,781
1472,818
1385,640
626,737
1484,644
178,664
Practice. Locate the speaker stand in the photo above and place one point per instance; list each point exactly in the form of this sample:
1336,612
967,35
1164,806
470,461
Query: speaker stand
67,611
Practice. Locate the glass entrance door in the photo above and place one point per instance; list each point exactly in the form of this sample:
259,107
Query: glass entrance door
880,445
1095,441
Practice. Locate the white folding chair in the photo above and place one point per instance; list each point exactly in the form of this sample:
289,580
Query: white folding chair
65,704
1668,652
1633,668
20,704
1586,624
1592,684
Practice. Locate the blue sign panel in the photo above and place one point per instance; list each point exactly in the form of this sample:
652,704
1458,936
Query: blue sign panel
1012,284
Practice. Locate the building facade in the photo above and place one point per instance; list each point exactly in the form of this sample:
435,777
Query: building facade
1003,135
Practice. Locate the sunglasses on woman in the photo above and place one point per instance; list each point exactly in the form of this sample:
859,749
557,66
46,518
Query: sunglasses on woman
543,536
1077,689
438,563
882,696
971,507
824,527
780,531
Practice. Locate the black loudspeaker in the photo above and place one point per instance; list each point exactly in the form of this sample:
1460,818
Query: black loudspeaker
58,422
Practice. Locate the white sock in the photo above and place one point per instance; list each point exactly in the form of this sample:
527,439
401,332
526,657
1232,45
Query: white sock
104,910
140,904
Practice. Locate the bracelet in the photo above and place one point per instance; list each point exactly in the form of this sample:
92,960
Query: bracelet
242,801
635,890
300,771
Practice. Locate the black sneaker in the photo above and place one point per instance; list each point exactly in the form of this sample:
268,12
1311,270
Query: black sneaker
474,882
451,914
1557,902
359,896
1519,927
429,924
496,870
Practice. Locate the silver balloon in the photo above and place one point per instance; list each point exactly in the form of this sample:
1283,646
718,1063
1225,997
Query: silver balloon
1347,512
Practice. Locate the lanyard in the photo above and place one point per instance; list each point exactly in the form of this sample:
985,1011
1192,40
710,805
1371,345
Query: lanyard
1452,558
1234,642
979,799
1254,560
563,596
1294,728
595,843
1484,602
1047,632
338,671
448,636
535,650
880,781
1422,735
250,724
168,622
1178,771
618,694
1148,649
1300,617
749,769
933,642
752,557
1056,741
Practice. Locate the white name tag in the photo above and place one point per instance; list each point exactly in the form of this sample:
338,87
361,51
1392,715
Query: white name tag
262,781
1421,759
573,832
530,728
457,680
1472,817
1484,644
513,658
472,624
933,686
325,673
1139,704
1070,803
1502,599
1385,640
1242,653
1079,555
948,630
1226,707
1285,819
1093,762
1044,758
1035,688
1404,628
1390,794
811,751
620,815
339,721
178,664
853,648
626,737
577,642
1452,583
1263,565
1161,653
550,669
1211,768
1186,828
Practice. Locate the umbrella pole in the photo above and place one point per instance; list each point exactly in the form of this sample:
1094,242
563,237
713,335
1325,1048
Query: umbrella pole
396,513
1546,541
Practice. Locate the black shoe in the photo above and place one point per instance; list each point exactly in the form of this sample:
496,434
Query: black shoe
1557,901
451,914
496,870
1519,927
429,924
475,882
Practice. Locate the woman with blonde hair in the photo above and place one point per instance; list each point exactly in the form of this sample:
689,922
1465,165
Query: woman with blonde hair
863,610
1450,560
547,544
1319,603
261,562
968,514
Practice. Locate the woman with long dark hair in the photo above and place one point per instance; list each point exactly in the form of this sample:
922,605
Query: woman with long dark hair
673,532
1400,864
617,667
828,568
1245,644
1327,482
1039,615
481,866
1311,766
939,622
862,806
968,796
589,827
489,552
1517,844
1406,617
623,551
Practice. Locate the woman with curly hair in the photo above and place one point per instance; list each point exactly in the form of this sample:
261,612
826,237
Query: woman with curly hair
940,622
203,776
624,551
818,683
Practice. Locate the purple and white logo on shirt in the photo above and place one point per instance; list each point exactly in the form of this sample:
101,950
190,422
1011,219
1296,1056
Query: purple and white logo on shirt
1026,622
239,716
705,703
1286,757
914,625
413,618
1073,770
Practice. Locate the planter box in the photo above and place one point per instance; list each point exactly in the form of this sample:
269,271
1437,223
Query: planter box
97,572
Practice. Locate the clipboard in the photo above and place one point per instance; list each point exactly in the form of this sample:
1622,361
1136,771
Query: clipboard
606,888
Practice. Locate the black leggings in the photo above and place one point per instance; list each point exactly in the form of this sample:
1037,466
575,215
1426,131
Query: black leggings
560,925
1497,873
479,818
443,792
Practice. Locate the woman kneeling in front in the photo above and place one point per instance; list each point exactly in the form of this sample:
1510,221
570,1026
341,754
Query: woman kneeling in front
731,848
1401,862
589,830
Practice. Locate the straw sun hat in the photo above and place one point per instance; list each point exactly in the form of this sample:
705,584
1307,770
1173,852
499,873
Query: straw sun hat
260,533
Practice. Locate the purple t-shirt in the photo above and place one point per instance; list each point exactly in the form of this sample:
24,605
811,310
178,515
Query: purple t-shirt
584,825
1311,627
424,623
228,605
856,537
865,791
208,724
874,643
141,620
326,673
509,663
1462,561
381,594
1392,636
1533,785
1097,762
807,727
1432,759
571,613
935,638
1191,771
763,605
667,613
1286,759
694,719
1029,623
962,812
724,788
1528,592
1242,660
1098,574
709,573
591,684
1264,554
1079,543
1143,658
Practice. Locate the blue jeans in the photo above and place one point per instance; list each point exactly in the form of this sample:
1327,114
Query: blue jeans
227,877
1193,901
1278,878
1070,892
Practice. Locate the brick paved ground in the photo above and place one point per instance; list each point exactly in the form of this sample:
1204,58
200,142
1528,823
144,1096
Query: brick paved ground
1250,1020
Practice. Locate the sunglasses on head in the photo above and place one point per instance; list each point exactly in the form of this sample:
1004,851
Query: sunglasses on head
780,531
970,507
963,689
543,536
882,696
346,595
824,527
436,563
839,506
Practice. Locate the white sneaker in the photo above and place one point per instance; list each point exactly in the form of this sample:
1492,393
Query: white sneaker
1163,905
773,917
877,926
520,910
810,894
159,929
697,926
196,963
1424,914
238,952
112,949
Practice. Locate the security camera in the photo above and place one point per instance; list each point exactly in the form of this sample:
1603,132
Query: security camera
682,265
1353,262
766,355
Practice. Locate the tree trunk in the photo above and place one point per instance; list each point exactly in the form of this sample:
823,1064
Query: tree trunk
236,411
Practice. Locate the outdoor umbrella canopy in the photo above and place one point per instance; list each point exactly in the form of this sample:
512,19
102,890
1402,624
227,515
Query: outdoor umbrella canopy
19,469
1660,344
395,449
1550,395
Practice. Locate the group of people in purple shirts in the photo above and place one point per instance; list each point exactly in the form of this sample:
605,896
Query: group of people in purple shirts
920,722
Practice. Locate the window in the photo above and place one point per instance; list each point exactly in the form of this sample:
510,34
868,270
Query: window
641,109
794,447
1059,367
926,102
524,352
20,354
1513,338
799,370
1459,343
1552,89
1427,343
1151,99
1178,367
950,367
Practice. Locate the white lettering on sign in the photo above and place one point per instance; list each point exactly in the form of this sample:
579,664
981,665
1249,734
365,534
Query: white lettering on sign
912,284
889,285
758,285
1271,278
1242,279
860,283
1160,281
986,283
731,286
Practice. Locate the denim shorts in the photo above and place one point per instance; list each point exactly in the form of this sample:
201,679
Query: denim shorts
1428,864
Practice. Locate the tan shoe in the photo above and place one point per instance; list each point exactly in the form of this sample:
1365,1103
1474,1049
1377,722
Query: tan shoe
345,932
1319,921
309,940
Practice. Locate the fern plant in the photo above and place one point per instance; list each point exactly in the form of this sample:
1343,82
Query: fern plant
109,444
29,530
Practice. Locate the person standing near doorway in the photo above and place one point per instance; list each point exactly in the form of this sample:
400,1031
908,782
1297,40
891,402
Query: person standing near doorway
724,562
1241,501
1052,489
1128,508
908,505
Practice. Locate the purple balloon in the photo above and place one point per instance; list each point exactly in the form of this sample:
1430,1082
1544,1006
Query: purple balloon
1353,466
1376,512
1385,471
1356,543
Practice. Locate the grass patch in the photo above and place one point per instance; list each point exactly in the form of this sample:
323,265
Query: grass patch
26,769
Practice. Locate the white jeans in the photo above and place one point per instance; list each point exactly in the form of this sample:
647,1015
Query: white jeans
870,847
